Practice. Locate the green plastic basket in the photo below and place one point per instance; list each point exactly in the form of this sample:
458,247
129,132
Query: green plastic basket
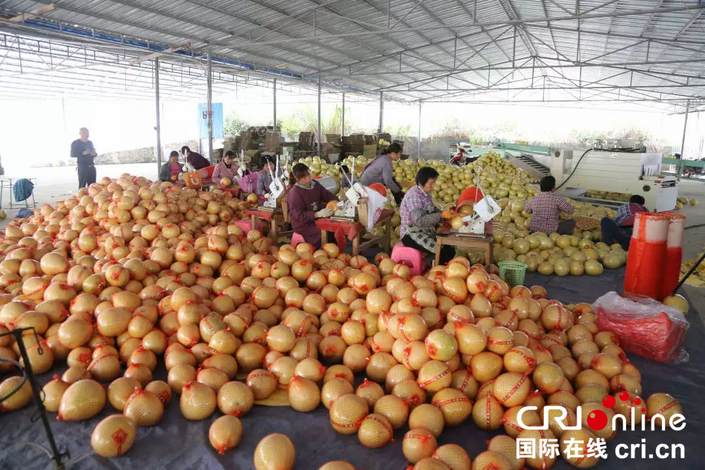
512,272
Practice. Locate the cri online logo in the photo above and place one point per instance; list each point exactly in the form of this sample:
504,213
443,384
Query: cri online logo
597,419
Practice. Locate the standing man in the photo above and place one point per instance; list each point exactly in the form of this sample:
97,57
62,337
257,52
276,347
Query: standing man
83,151
196,160
380,171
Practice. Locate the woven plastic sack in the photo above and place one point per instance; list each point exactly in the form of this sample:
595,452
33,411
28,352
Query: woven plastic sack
644,326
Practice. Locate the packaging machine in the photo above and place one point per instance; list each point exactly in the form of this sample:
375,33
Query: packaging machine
615,171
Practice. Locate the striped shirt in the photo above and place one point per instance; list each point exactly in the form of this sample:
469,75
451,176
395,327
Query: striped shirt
546,209
417,202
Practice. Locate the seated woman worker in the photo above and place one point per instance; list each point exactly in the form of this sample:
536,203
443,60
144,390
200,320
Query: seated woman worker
307,201
171,169
264,177
380,170
419,216
225,169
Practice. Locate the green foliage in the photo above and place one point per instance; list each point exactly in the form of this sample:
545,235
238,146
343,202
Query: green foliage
506,131
234,124
457,130
306,120
588,136
398,132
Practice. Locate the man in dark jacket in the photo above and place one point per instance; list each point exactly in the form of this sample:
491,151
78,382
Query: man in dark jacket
196,160
83,151
171,170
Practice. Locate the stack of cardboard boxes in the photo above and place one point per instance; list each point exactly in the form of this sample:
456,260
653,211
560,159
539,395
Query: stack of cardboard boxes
272,142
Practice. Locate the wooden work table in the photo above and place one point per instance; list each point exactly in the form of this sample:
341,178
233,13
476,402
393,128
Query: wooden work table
466,241
275,217
353,230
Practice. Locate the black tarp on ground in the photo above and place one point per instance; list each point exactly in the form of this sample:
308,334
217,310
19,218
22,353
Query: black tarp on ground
178,444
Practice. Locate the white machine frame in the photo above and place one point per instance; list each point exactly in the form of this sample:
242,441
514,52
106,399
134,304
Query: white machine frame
483,212
278,185
614,171
347,210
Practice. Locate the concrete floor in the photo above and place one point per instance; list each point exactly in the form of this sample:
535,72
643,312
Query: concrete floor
55,184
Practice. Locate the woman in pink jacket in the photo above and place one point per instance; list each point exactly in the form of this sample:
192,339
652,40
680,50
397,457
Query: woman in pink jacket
225,169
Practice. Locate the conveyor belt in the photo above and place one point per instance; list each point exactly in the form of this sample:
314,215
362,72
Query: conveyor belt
599,202
529,165
580,195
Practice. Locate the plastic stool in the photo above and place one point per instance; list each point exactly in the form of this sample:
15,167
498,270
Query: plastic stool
411,257
296,239
245,225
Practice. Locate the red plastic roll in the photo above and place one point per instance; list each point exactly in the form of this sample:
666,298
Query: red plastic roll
647,255
674,254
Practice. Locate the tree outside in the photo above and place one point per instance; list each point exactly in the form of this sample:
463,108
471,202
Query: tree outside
306,120
234,124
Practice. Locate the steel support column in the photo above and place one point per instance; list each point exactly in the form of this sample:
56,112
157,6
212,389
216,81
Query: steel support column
381,111
342,119
274,119
158,128
418,146
63,114
210,108
685,128
320,148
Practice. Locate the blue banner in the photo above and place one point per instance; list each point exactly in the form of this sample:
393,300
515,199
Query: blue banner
218,122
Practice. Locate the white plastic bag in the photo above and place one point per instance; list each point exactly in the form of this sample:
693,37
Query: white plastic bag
375,206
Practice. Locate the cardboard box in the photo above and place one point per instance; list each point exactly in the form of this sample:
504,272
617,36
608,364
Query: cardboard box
272,142
383,136
307,141
369,151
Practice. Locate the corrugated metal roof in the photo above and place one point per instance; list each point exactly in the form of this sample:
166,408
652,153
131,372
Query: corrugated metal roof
429,50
